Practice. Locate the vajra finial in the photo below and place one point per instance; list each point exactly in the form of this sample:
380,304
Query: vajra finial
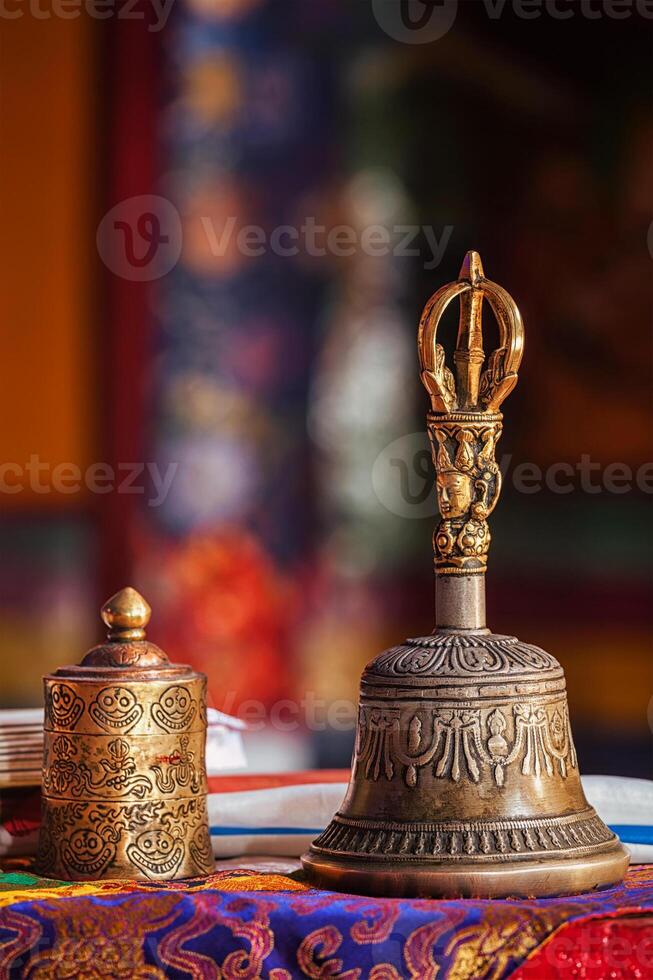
465,423
472,389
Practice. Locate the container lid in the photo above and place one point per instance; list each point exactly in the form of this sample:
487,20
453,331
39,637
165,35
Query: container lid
126,649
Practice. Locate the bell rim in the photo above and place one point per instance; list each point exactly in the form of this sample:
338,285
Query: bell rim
598,868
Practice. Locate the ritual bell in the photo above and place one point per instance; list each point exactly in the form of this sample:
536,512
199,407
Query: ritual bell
124,775
464,777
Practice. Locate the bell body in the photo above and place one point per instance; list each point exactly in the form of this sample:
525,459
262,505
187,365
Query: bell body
124,776
464,779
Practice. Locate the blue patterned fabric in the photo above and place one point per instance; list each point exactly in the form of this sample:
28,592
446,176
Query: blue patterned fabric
248,925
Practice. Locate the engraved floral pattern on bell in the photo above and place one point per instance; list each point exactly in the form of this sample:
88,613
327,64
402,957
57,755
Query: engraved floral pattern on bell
457,743
456,654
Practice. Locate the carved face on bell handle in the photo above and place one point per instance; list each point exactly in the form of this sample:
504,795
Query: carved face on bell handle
455,493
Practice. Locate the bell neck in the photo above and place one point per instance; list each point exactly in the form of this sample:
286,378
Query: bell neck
460,602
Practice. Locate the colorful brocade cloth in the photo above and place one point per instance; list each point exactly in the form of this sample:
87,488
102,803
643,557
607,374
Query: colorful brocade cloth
246,924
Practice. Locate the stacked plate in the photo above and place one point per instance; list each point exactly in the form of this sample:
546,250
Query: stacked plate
21,747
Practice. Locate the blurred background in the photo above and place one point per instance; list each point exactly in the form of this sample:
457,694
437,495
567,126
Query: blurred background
221,221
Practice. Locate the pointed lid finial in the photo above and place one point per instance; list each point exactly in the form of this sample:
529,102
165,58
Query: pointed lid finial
126,614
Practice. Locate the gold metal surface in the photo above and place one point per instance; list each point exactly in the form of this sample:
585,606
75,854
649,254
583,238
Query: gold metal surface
126,614
124,776
465,424
109,767
464,777
151,840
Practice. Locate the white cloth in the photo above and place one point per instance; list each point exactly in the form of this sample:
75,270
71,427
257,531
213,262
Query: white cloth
283,821
626,805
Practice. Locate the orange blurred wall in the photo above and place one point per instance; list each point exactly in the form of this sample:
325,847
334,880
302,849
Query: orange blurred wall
47,246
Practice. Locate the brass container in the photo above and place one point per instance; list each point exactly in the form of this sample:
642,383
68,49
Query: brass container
124,776
464,777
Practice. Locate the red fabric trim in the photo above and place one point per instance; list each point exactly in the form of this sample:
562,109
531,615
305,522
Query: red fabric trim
248,781
619,947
